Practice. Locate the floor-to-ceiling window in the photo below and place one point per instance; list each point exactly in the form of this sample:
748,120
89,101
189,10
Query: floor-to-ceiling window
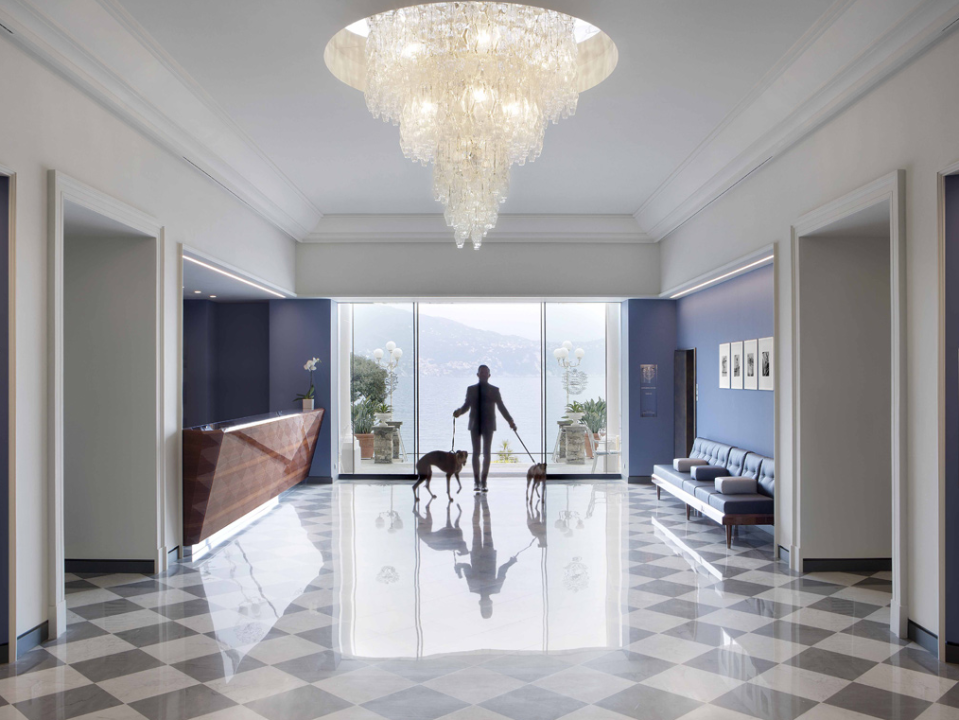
556,364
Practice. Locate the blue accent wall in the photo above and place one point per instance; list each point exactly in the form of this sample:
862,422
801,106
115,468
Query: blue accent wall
4,407
739,309
952,409
199,363
300,330
652,340
242,376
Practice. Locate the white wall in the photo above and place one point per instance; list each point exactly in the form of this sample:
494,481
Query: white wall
506,269
909,122
109,407
45,123
846,398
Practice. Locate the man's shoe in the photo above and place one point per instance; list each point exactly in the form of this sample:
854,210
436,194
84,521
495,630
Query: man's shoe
485,489
476,488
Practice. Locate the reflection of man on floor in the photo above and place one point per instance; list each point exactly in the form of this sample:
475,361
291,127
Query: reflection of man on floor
449,537
481,574
482,399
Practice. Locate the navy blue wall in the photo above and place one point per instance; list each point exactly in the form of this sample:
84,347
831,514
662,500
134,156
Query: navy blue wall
652,340
739,309
199,363
952,409
300,330
4,406
242,375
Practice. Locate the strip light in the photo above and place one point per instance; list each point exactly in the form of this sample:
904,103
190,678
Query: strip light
722,277
235,277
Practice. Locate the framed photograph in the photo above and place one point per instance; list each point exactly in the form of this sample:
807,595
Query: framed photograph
766,365
724,366
736,365
751,365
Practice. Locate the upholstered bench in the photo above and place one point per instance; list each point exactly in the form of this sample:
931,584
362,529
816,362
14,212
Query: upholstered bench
697,487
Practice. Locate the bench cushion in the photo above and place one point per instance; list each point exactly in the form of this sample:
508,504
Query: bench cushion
757,504
708,473
668,474
736,463
686,464
713,452
736,485
704,490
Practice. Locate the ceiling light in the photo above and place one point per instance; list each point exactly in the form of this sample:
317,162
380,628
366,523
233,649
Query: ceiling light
196,292
212,296
715,280
231,275
472,86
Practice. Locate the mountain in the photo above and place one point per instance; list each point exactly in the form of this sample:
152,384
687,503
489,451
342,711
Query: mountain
448,347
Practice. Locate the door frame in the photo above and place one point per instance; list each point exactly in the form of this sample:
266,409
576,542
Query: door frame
11,414
61,189
889,188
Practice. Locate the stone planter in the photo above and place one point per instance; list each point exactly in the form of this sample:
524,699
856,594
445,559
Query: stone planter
574,417
307,403
383,418
365,441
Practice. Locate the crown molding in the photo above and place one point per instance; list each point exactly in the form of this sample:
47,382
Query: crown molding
855,45
99,48
509,228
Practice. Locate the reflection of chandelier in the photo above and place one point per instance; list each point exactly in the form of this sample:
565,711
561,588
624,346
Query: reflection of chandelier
472,86
387,575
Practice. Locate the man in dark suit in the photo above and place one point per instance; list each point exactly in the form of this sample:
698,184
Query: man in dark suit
482,400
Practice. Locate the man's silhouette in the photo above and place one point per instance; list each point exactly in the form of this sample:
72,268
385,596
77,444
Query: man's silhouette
482,399
481,574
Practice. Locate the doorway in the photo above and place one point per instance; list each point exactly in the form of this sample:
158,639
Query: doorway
107,461
848,503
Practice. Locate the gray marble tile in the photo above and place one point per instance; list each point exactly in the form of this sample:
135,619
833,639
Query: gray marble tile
705,633
415,703
153,634
532,703
319,666
69,704
793,632
303,703
831,663
878,702
629,665
845,607
106,609
764,703
207,668
739,666
647,703
184,704
115,665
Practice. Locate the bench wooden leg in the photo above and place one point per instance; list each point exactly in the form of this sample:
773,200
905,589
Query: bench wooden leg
687,511
729,536
659,493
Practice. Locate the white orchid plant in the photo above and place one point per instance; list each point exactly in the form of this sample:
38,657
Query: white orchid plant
310,367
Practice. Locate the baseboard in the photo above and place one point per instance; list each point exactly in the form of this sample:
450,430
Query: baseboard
173,556
144,567
784,554
640,480
930,641
318,480
952,653
846,564
31,638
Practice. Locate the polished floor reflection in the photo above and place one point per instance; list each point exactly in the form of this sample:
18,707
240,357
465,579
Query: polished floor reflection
352,603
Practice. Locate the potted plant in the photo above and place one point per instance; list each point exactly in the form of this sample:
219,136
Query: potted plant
383,413
362,420
594,418
575,411
308,396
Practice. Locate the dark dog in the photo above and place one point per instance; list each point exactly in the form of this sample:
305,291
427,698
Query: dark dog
536,476
449,462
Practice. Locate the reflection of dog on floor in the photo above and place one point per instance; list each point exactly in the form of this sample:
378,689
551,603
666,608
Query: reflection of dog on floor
535,478
448,537
449,462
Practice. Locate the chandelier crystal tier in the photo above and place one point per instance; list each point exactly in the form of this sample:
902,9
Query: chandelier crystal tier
472,86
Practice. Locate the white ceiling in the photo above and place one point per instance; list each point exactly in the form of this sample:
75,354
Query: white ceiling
706,92
683,66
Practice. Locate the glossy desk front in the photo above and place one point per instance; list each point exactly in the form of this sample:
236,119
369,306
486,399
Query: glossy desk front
232,468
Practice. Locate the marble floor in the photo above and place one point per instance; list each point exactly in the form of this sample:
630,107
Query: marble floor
351,603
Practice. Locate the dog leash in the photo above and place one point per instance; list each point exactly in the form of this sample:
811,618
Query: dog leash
453,441
524,446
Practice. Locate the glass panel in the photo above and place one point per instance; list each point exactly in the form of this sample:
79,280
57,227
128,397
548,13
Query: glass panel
382,387
576,389
455,338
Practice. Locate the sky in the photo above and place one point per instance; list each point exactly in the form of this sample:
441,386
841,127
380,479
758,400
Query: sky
577,322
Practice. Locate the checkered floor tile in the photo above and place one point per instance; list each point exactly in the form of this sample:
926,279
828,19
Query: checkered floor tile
350,602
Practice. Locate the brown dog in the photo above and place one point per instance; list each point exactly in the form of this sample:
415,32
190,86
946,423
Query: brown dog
536,476
449,462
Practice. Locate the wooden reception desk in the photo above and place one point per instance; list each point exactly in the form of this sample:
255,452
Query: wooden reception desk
231,469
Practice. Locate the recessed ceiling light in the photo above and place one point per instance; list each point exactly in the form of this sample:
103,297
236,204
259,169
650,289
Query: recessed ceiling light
212,296
196,292
235,277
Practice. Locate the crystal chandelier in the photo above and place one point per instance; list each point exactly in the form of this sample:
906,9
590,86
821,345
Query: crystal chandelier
472,86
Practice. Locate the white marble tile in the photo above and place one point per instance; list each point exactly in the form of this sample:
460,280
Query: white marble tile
284,648
583,684
692,683
129,621
669,648
255,684
820,619
183,649
859,647
907,682
804,683
474,684
365,684
42,682
156,681
81,650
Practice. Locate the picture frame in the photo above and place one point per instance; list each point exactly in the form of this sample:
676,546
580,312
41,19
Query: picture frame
750,364
724,366
736,365
767,366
